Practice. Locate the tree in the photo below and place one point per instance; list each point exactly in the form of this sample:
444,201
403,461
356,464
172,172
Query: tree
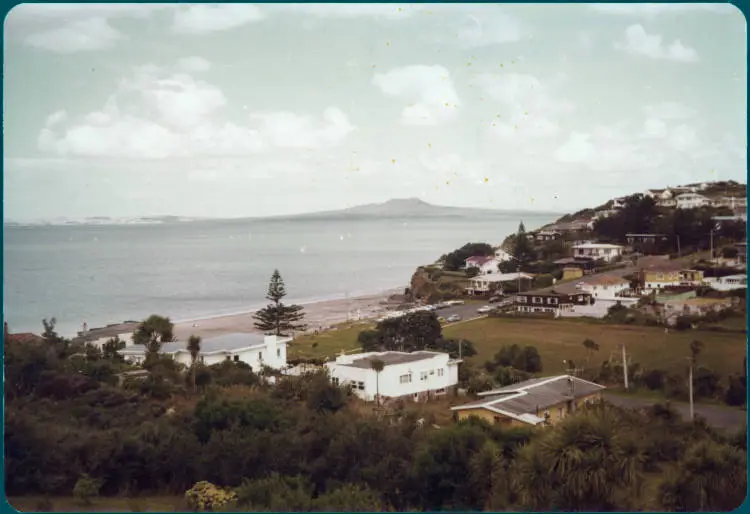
86,488
377,366
349,498
194,347
152,333
522,249
111,348
414,331
277,318
455,260
591,346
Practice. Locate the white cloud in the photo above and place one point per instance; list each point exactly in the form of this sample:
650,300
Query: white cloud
429,89
489,26
654,128
527,107
193,64
39,13
204,18
78,36
683,138
157,116
639,42
651,10
391,11
56,118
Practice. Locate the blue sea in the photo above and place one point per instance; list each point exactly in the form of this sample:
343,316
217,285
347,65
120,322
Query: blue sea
186,270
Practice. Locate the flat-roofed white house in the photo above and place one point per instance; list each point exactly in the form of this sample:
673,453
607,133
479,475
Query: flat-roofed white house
605,287
415,375
597,251
728,283
691,201
256,350
482,284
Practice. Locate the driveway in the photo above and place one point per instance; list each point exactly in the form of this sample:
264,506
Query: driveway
718,416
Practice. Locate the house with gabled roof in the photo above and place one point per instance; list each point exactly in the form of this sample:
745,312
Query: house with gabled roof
486,264
538,401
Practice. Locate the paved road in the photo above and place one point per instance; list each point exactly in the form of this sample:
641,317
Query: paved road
718,416
465,311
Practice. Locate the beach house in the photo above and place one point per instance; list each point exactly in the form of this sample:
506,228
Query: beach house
485,264
533,402
597,251
255,350
484,284
416,375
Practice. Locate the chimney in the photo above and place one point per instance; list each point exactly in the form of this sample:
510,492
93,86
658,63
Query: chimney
85,327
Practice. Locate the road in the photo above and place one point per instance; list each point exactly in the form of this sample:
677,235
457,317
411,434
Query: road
465,311
718,416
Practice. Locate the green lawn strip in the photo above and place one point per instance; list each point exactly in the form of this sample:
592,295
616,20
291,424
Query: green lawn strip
556,340
328,343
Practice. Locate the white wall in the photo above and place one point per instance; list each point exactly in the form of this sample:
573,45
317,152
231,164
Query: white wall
605,291
721,284
390,384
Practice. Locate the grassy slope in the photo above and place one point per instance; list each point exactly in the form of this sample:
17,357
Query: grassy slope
329,343
557,340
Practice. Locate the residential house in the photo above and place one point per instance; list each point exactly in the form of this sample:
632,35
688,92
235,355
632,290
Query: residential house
605,287
728,283
597,251
733,202
691,201
502,256
533,402
549,300
665,273
26,338
547,235
255,350
571,272
485,264
671,203
619,203
586,265
693,307
100,336
415,375
643,239
659,194
483,284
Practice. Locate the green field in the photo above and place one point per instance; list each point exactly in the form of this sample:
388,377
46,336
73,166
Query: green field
558,340
329,343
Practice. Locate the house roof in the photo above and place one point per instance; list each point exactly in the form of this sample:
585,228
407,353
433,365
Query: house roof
390,358
109,331
224,343
604,280
597,245
25,338
521,401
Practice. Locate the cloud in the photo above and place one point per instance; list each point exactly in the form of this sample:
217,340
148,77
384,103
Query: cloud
526,106
156,115
488,26
670,111
429,89
193,64
204,19
347,11
638,42
651,10
78,36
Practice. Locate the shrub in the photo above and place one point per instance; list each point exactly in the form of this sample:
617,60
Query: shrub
205,496
86,488
654,379
736,392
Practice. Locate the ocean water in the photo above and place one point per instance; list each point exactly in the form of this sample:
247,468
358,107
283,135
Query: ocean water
112,273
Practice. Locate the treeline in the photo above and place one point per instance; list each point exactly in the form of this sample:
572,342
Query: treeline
305,444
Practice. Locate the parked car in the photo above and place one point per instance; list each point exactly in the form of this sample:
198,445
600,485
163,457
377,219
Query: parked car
496,298
484,310
453,318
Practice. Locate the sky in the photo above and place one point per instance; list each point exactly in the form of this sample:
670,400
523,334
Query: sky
233,110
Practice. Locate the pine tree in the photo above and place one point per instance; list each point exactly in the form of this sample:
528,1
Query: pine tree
277,318
523,250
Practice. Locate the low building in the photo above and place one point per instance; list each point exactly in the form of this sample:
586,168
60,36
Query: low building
549,301
571,273
100,336
255,350
586,265
691,201
666,274
547,235
533,402
733,202
597,251
415,375
484,284
728,283
485,264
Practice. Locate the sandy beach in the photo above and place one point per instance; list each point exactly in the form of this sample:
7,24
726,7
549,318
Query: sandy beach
318,315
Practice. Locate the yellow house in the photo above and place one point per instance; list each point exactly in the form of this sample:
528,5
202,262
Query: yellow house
532,402
669,274
571,273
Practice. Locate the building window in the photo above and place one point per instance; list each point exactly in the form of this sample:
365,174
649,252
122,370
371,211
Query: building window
432,372
440,372
335,381
440,391
361,386
278,352
236,358
423,375
536,299
496,419
405,379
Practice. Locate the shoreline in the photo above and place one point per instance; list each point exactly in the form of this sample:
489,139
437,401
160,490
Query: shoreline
319,315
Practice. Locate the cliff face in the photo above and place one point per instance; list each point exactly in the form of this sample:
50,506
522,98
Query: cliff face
433,285
421,285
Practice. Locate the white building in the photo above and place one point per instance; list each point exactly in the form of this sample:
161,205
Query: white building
597,251
482,284
691,201
502,256
728,283
486,265
256,350
605,287
417,375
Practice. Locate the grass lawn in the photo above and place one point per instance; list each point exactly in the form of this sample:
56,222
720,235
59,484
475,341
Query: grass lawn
328,343
114,504
557,340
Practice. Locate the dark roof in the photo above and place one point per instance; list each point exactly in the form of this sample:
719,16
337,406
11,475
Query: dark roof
25,338
390,358
539,393
109,331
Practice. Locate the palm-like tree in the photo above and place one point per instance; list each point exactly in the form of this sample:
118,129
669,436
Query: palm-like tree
592,347
377,365
194,347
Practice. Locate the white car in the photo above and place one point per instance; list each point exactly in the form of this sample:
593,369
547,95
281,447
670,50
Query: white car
454,318
484,310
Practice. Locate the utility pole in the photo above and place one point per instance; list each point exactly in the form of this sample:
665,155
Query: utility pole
690,390
712,245
679,251
460,348
624,366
